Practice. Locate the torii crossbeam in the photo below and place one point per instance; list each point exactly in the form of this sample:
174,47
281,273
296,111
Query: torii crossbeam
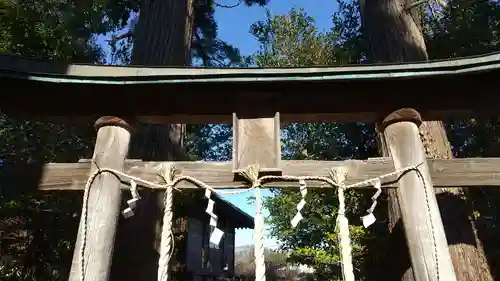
257,101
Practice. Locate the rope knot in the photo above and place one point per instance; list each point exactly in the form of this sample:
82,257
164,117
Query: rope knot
167,173
338,176
251,174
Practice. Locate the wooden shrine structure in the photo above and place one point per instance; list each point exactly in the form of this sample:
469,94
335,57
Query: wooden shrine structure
256,102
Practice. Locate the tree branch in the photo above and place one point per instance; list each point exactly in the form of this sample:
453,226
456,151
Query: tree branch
441,3
228,6
204,55
117,38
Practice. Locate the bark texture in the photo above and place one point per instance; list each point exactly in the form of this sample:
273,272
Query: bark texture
162,36
393,35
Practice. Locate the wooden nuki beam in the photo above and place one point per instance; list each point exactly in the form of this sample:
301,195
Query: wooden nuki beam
464,172
256,135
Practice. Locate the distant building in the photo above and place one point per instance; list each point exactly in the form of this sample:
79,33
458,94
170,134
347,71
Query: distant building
206,261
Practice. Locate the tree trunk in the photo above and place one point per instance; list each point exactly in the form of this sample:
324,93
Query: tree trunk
393,35
162,37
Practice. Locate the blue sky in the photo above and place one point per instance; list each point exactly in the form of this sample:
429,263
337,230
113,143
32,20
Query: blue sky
234,24
233,27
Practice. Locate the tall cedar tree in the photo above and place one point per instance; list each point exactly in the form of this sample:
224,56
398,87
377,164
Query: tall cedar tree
392,34
163,36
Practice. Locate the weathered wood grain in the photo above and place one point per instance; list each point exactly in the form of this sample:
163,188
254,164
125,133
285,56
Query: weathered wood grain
256,137
424,230
31,66
49,83
285,118
288,118
103,205
466,172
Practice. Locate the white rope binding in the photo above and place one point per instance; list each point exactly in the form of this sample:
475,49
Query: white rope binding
216,234
251,173
132,203
260,263
338,176
167,236
303,192
369,219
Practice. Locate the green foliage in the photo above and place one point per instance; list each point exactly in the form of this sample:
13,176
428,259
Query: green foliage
6,6
467,28
206,48
65,30
60,30
209,142
38,230
347,29
38,236
34,142
471,28
314,242
293,40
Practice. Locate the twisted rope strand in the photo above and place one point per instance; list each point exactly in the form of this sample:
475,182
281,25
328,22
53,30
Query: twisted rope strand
167,236
260,262
338,176
303,192
369,219
253,173
436,256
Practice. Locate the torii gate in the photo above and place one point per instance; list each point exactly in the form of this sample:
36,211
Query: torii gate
257,101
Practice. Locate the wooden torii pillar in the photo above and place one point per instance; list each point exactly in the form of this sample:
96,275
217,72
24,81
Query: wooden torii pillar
256,132
426,239
424,230
406,148
111,149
